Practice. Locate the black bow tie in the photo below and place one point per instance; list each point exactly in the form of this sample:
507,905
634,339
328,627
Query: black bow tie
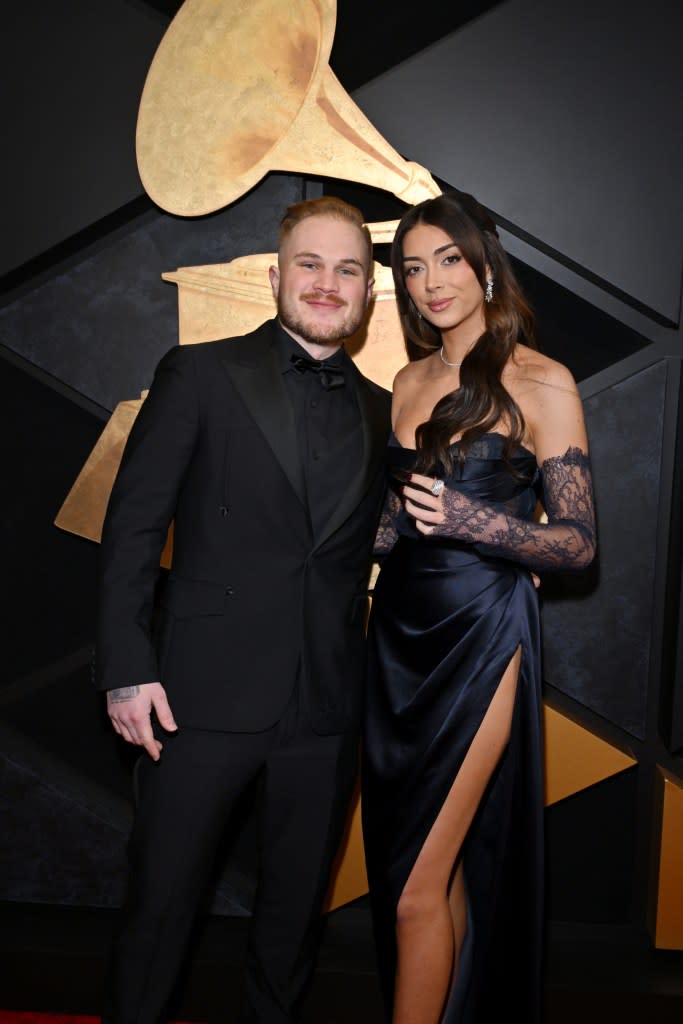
329,376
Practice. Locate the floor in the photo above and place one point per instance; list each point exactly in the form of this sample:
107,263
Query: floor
53,959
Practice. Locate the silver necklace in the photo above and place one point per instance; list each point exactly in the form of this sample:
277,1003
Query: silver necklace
446,361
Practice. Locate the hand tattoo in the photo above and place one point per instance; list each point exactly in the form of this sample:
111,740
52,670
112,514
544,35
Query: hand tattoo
124,693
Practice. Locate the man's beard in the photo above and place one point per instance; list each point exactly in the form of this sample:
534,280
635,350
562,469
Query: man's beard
319,334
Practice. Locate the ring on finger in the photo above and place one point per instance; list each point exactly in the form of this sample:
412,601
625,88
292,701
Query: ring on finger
437,487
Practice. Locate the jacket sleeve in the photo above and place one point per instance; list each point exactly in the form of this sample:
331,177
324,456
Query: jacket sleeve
140,510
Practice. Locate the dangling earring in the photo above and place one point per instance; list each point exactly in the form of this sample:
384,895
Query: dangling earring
488,294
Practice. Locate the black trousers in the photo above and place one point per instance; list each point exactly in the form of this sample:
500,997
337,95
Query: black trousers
184,801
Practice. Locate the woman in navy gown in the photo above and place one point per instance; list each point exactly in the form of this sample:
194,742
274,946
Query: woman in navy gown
486,430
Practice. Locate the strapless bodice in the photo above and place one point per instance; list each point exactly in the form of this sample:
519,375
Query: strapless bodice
483,474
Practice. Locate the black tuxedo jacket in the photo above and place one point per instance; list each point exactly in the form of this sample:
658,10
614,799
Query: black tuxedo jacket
252,598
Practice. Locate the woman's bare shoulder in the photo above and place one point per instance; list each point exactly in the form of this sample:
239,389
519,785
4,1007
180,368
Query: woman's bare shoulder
530,367
414,373
550,402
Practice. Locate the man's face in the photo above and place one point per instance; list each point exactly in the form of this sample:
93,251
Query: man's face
321,283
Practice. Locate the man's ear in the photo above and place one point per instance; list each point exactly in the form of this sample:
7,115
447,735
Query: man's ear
371,285
274,277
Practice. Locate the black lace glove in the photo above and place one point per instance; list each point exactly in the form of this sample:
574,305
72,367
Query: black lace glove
387,532
566,541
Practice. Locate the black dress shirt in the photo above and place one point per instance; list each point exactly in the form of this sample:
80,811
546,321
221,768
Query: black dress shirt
328,428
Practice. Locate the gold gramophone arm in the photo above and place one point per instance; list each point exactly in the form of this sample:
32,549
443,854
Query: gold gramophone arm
333,134
420,186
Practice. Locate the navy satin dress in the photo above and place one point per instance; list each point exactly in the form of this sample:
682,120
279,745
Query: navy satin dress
444,624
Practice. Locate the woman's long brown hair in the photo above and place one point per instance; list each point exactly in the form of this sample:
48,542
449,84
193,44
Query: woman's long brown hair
481,401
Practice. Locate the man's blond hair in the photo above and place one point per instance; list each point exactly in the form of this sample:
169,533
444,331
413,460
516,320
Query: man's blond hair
325,206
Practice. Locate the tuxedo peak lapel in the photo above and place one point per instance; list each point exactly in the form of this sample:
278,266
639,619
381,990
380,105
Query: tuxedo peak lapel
254,369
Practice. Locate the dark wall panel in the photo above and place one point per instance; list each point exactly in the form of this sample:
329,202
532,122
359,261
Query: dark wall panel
54,843
566,121
597,631
103,324
74,71
48,575
592,879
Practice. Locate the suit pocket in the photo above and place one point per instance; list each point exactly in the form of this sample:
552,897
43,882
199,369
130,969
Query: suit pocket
189,599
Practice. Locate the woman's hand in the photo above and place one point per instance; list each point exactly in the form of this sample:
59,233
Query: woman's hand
422,503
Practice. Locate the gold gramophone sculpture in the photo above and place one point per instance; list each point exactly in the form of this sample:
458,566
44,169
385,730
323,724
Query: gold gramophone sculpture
237,90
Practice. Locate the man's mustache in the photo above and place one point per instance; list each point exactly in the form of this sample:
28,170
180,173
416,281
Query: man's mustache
317,296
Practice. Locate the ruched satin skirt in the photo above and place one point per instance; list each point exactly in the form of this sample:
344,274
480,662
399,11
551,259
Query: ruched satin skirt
445,623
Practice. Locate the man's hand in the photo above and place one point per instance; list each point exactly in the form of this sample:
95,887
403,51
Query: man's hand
130,711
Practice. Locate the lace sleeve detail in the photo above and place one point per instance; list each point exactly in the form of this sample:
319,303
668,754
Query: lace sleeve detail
566,542
387,532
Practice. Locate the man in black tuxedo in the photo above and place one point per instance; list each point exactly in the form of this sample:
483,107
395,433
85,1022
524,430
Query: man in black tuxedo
266,451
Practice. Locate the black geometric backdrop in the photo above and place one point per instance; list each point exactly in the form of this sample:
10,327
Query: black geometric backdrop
85,317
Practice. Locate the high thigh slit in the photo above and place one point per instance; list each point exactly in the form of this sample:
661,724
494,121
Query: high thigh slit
446,623
437,860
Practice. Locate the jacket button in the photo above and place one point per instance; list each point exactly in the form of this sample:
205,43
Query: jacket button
223,509
229,591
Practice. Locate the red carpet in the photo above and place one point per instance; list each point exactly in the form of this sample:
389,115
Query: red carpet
16,1017
24,1017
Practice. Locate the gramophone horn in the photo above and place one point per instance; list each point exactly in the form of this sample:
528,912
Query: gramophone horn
238,89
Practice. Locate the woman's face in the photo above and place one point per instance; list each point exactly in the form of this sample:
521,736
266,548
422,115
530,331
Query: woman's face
440,281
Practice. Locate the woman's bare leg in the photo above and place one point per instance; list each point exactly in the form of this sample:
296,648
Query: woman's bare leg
431,915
